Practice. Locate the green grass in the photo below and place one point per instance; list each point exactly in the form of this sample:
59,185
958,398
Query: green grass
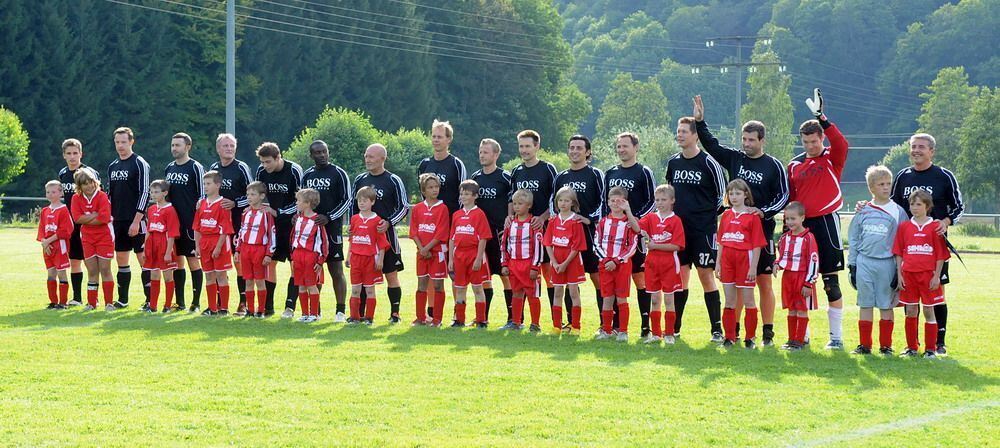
127,379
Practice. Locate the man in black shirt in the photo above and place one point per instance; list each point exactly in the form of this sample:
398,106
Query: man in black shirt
699,184
392,205
449,169
494,188
588,183
185,177
128,190
72,151
334,202
233,189
536,176
283,178
769,186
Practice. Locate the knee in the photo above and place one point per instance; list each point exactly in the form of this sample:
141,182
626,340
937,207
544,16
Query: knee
831,285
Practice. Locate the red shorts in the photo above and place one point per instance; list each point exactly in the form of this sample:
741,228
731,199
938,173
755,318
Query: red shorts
791,292
59,258
155,250
733,268
573,275
663,272
304,271
252,261
435,267
464,274
616,283
102,247
918,291
223,262
363,271
520,278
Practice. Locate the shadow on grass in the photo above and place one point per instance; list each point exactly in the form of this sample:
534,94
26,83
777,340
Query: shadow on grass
709,363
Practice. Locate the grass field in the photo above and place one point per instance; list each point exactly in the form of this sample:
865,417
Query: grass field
127,379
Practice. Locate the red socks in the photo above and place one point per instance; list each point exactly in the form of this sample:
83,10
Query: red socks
460,313
438,306
606,318
314,304
669,320
576,314
421,305
251,296
517,310
750,322
370,306
885,333
63,293
865,333
911,333
729,323
154,293
930,335
354,305
622,317
304,302
168,294
261,300
92,294
557,316
212,289
109,293
480,312
224,297
654,319
52,287
535,308
800,329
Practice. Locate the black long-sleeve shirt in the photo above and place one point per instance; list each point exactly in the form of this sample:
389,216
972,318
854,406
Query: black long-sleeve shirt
281,188
638,180
588,183
235,178
69,186
538,180
698,186
128,187
494,189
334,191
451,172
391,203
939,182
186,188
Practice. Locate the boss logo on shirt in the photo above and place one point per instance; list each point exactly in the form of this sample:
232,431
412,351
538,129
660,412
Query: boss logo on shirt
750,176
318,184
119,175
531,185
907,191
378,193
227,184
69,187
277,188
578,187
177,178
687,176
443,178
627,184
487,193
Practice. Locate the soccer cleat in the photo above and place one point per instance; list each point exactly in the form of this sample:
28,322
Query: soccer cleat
717,337
835,345
567,327
74,303
109,308
89,307
288,313
909,353
601,335
622,337
394,319
669,340
534,328
303,319
144,307
194,308
418,323
208,313
368,322
750,344
353,321
60,306
259,315
167,310
241,312
51,306
791,346
930,354
645,333
942,350
767,342
651,339
339,318
482,325
119,305
886,351
434,324
862,350
268,313
457,324
223,313
148,310
509,326
728,343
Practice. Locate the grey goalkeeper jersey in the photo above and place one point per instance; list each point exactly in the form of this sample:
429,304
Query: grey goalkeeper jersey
873,231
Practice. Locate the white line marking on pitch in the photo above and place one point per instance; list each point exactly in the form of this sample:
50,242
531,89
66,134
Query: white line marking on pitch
898,424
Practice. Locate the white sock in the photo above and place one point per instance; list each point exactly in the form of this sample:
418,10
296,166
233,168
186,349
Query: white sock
836,316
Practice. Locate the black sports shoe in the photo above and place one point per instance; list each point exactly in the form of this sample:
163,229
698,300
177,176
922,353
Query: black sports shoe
482,325
51,306
352,321
942,350
645,333
457,324
767,342
144,307
750,344
119,305
886,351
534,328
208,313
791,346
567,327
767,338
268,313
367,322
394,319
194,308
909,353
222,313
930,354
727,343
60,306
717,337
861,350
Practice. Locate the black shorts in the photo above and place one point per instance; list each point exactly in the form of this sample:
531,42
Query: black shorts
638,262
282,240
493,255
185,243
766,264
392,262
826,230
944,274
336,240
125,243
699,248
75,245
591,264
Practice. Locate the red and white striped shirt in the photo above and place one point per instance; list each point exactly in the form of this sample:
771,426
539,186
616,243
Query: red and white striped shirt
520,242
257,229
615,240
308,235
798,253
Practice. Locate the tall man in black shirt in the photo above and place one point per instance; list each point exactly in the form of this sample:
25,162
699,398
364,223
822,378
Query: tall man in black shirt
186,189
72,151
637,179
283,179
334,202
236,176
494,188
699,184
128,190
769,186
536,176
392,205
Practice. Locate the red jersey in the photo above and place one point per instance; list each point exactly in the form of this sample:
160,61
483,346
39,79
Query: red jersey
469,227
615,240
55,221
564,235
163,222
520,242
365,238
742,231
920,246
798,253
815,181
257,229
309,236
663,230
430,222
212,219
100,204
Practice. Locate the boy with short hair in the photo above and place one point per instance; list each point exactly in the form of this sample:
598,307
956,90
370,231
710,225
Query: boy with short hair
521,257
55,227
161,254
429,228
798,256
310,248
615,243
871,262
255,246
664,234
367,252
469,232
212,227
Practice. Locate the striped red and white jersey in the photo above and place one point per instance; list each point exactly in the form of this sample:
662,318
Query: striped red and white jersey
615,240
310,236
257,229
798,253
520,242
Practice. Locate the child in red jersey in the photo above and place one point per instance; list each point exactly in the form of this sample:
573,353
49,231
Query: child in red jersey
310,248
212,227
615,242
521,256
798,257
564,240
920,255
664,234
740,238
469,232
254,247
55,227
367,252
92,210
429,229
161,254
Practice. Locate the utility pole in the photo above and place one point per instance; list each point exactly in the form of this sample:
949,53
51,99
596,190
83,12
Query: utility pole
739,65
231,66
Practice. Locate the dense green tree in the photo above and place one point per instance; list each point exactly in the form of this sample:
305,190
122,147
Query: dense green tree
631,103
768,102
977,165
13,146
946,105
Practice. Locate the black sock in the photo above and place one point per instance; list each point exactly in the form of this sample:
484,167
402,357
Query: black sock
341,307
680,300
395,297
197,279
293,294
768,332
241,286
941,315
488,292
714,306
614,310
364,298
180,280
77,280
644,304
600,306
146,277
551,292
269,304
568,305
124,281
737,327
508,298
